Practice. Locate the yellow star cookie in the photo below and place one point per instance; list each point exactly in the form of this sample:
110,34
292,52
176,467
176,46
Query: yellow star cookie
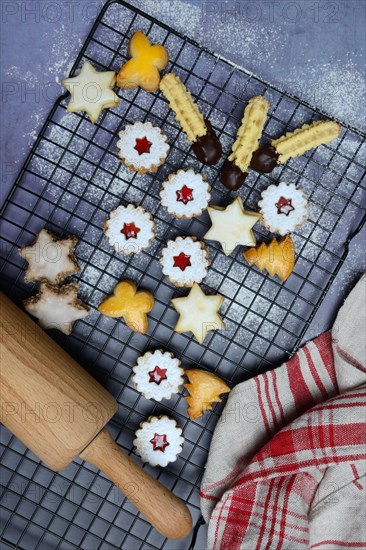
143,69
91,91
232,226
198,313
129,303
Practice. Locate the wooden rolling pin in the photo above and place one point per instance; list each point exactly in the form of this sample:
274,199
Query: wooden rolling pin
59,411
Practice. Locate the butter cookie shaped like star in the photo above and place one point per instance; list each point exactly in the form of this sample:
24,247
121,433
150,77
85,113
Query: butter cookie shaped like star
232,226
91,91
198,313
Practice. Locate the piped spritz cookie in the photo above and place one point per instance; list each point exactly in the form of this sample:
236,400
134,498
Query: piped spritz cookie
159,440
185,194
142,147
129,229
184,261
157,375
284,208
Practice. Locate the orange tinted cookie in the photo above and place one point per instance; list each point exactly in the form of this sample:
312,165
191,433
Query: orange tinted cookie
129,303
144,66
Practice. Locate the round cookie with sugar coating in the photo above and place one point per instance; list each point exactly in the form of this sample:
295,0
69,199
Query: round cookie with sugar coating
143,69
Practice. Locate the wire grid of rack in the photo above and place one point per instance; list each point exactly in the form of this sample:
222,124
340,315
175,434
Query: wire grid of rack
70,182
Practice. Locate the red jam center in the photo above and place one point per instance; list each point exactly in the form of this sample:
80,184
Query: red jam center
159,442
143,145
130,231
185,195
182,261
284,206
157,375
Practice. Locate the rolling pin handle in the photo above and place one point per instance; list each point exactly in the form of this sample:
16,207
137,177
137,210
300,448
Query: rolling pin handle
166,512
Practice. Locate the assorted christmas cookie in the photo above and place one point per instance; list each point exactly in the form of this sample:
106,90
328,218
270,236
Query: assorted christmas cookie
204,389
57,308
198,313
284,208
205,143
185,194
50,259
130,229
144,66
142,147
235,169
159,440
294,144
130,304
91,91
232,226
184,261
277,257
157,375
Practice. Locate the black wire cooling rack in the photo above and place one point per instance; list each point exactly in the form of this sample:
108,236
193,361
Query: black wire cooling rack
69,183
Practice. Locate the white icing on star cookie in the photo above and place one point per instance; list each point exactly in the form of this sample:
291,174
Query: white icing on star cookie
158,440
91,91
284,208
232,226
142,147
50,259
184,261
129,229
185,194
198,313
157,375
57,308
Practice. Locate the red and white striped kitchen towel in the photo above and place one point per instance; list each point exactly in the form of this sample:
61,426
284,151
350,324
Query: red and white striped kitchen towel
287,463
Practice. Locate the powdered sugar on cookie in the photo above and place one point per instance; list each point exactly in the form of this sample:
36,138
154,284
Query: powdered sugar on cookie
157,375
185,194
283,208
142,147
184,261
159,441
129,229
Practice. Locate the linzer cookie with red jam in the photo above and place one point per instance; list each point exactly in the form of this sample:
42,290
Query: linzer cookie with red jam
294,144
158,375
129,229
184,261
142,147
235,169
158,441
284,208
205,143
185,194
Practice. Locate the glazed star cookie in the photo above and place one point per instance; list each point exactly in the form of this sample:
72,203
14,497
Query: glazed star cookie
129,303
158,441
232,226
144,66
185,194
198,313
205,143
235,169
277,257
184,261
204,389
91,91
294,144
57,308
129,229
142,147
157,375
50,259
284,208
